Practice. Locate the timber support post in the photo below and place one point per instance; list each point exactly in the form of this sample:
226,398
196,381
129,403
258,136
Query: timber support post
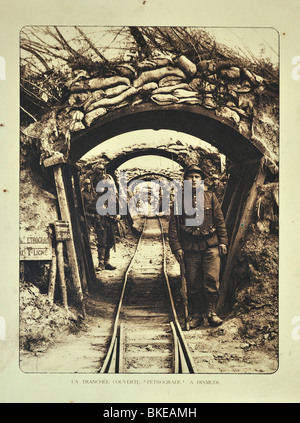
65,216
61,272
241,227
52,278
88,259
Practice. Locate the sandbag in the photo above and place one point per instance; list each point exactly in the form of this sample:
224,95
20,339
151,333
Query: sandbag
171,88
124,69
181,93
209,103
92,116
150,86
114,91
95,96
228,114
186,65
156,75
243,87
99,83
190,100
164,99
106,102
77,99
146,65
231,73
170,80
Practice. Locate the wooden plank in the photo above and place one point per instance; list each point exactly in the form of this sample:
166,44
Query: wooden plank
61,273
65,215
234,206
67,176
230,188
52,277
242,228
35,245
54,160
244,187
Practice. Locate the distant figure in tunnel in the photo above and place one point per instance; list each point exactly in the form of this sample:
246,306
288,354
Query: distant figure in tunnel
105,226
88,201
217,187
200,248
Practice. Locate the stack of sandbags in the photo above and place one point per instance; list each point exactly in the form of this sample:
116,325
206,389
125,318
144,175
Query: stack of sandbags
224,87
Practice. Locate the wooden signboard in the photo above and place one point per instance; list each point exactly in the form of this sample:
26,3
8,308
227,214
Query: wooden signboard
62,230
35,245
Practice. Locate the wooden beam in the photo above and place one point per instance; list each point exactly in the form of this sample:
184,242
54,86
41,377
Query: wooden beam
243,225
56,159
245,185
52,277
61,273
65,215
67,177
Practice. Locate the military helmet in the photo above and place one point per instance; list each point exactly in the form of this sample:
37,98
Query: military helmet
86,181
194,168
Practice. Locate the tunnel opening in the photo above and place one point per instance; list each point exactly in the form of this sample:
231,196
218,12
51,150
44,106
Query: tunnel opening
243,158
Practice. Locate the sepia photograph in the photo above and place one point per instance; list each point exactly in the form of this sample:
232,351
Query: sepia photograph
149,200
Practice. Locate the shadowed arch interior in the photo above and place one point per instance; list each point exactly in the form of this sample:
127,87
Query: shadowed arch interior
159,152
148,176
196,121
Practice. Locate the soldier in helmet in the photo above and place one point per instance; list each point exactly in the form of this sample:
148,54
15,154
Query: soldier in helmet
200,248
105,226
217,187
89,201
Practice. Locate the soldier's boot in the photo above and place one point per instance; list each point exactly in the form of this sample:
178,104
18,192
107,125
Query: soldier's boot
196,317
101,258
108,266
212,317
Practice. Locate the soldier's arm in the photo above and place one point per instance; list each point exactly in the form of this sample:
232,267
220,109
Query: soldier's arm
89,204
173,234
219,221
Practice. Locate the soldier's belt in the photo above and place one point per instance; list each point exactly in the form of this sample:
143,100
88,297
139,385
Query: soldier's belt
202,234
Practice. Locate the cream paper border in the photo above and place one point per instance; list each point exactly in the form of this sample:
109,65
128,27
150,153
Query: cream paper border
282,386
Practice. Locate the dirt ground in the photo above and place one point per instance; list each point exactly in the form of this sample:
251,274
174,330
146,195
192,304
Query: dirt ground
53,340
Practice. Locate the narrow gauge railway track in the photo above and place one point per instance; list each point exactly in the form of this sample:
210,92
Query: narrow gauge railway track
147,337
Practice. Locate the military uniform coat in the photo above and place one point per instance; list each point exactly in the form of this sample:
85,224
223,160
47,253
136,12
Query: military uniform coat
210,233
200,246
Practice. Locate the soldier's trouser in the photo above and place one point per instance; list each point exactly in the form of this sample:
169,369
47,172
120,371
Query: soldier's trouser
104,241
202,273
103,255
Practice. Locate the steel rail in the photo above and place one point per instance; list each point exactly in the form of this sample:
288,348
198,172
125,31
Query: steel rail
182,359
110,364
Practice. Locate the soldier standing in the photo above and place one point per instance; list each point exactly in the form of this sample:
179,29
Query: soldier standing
200,248
105,226
217,187
89,202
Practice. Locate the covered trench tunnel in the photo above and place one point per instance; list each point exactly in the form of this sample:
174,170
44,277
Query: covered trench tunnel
246,173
